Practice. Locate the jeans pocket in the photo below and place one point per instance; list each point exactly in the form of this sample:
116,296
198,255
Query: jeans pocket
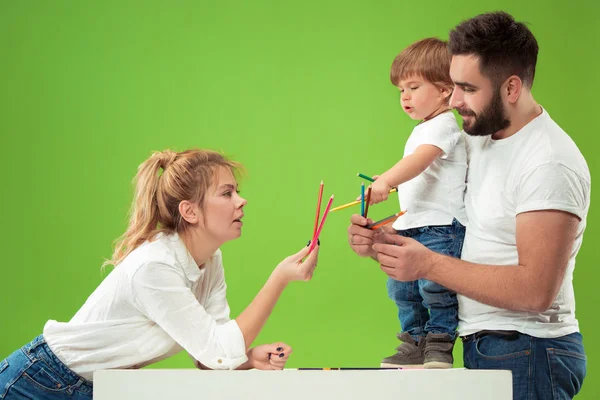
567,371
44,379
441,231
3,365
490,348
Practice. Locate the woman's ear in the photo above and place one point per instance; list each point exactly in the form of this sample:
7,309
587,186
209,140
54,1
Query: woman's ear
189,212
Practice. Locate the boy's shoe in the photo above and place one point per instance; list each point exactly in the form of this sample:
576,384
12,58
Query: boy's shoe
438,351
409,355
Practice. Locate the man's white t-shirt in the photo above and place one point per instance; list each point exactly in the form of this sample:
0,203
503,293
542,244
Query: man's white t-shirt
154,304
435,196
537,168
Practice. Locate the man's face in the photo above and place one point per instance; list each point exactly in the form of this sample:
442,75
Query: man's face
475,98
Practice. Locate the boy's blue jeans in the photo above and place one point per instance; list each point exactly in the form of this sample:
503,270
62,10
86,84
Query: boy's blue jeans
542,369
424,306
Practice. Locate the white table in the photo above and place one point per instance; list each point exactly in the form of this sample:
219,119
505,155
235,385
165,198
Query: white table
170,384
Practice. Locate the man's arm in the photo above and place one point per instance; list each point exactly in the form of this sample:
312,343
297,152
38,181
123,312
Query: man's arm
544,244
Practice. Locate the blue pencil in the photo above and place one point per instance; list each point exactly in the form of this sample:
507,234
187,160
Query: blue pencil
362,199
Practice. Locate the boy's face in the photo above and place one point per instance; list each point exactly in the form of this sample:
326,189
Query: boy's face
420,99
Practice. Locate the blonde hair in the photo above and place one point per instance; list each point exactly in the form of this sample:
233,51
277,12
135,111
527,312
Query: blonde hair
162,182
428,58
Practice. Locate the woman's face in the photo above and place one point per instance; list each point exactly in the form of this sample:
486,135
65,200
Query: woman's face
224,208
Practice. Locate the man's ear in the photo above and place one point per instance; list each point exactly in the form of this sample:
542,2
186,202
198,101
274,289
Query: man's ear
189,212
513,87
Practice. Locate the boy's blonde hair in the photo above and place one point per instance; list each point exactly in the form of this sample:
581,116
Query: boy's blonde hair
428,58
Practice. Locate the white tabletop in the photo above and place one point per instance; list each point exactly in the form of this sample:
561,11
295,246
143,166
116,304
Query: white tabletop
155,384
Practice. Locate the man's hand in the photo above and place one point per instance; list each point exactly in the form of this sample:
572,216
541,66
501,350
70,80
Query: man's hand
404,259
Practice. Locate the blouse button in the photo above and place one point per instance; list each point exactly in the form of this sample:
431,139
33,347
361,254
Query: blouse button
220,361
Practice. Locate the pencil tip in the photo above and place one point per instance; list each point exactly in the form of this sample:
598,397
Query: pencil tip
321,181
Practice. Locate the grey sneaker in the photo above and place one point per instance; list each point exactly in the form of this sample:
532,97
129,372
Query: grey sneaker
438,351
409,354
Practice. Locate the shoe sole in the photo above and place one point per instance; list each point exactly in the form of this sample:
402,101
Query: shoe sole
437,365
409,366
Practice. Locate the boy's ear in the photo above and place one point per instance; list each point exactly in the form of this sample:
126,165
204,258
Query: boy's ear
446,91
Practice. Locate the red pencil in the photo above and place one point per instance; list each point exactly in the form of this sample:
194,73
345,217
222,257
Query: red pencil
318,209
316,238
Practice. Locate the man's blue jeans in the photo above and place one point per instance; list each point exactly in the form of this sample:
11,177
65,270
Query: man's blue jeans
542,369
424,306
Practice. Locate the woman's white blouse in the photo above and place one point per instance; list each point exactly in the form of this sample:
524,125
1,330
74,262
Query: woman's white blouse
155,303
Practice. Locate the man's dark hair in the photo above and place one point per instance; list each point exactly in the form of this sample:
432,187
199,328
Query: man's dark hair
504,47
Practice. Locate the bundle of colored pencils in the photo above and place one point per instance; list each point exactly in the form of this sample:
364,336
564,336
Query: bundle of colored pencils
364,204
319,226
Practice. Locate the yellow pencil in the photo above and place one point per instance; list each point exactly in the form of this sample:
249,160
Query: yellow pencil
355,202
345,206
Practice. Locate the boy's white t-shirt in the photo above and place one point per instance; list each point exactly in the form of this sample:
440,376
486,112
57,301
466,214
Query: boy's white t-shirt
538,168
435,196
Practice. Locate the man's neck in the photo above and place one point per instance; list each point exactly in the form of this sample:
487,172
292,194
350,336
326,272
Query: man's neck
521,115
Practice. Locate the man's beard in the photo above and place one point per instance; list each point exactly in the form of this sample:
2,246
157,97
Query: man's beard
490,120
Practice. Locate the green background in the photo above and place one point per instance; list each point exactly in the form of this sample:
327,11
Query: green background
296,91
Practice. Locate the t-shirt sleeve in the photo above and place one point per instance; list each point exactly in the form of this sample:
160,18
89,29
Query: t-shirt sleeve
444,136
553,186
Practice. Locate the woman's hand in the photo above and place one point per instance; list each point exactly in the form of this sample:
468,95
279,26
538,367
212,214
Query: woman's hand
294,269
269,356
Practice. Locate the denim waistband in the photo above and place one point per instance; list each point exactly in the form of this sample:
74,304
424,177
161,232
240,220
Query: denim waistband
39,349
574,337
504,334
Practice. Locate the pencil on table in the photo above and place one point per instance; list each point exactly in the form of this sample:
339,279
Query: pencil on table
385,221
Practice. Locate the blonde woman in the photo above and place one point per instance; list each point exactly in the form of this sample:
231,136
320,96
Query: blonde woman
167,292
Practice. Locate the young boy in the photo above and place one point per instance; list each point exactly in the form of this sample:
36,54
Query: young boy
431,184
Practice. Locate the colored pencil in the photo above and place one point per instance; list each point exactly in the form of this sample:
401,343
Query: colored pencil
362,199
385,221
367,200
365,177
316,238
346,206
355,202
394,189
344,369
319,200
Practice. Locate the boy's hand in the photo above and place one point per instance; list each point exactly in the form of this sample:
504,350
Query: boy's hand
379,191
